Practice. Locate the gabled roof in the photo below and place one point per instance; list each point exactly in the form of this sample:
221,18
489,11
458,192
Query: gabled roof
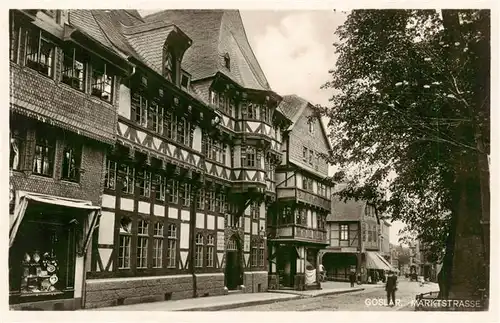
293,106
85,21
216,33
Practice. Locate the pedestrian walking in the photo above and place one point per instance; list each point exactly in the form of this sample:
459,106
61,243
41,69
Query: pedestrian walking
352,277
391,288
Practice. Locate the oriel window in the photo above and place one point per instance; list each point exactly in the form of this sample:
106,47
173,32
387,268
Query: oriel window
72,158
39,52
43,161
74,65
102,80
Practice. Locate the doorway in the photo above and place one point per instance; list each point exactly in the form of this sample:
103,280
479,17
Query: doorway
233,271
287,266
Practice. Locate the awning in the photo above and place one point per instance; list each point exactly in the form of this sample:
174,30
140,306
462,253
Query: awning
373,261
386,262
23,198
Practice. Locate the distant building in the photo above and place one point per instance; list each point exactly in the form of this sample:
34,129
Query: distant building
354,241
385,245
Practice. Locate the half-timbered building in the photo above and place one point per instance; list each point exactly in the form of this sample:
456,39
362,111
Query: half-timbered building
297,220
63,102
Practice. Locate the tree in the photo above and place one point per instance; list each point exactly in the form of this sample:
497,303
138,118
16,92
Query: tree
411,116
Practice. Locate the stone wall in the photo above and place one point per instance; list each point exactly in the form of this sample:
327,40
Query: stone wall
123,291
210,284
255,282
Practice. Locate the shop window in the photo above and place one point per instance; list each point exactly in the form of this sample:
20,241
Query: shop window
128,178
186,194
39,52
17,142
102,81
158,245
173,188
72,158
171,246
262,251
110,177
74,64
200,201
210,248
344,232
199,251
144,179
142,244
254,256
43,162
125,239
161,187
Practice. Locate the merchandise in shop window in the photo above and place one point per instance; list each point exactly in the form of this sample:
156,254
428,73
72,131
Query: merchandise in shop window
39,273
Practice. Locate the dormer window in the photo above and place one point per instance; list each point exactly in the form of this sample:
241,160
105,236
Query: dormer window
169,65
311,127
227,61
185,80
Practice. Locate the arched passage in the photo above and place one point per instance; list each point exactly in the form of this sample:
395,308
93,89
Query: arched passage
233,272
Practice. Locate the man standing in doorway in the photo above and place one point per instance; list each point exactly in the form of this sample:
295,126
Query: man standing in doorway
391,288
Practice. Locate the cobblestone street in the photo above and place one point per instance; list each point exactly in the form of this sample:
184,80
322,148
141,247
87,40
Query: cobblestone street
356,301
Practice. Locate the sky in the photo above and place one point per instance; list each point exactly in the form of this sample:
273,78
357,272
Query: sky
295,50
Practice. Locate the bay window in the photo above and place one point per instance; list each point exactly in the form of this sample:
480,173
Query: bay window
249,157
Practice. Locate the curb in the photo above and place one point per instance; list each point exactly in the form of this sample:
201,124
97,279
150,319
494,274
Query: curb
236,305
264,301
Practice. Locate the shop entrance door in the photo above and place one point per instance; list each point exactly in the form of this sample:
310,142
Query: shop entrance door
287,266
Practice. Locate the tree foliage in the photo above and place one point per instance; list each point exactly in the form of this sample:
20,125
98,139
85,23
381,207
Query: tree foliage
407,110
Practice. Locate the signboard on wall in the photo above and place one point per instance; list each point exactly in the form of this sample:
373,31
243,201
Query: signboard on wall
220,241
246,246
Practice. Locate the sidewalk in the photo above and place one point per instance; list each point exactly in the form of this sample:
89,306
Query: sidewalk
218,303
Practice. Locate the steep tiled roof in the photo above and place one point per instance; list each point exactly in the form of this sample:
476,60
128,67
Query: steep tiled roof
85,21
215,33
292,106
344,211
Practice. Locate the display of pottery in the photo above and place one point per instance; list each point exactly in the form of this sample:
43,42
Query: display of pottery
36,257
53,279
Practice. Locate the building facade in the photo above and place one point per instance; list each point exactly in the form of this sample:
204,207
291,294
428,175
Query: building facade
296,221
385,245
62,123
353,229
166,149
